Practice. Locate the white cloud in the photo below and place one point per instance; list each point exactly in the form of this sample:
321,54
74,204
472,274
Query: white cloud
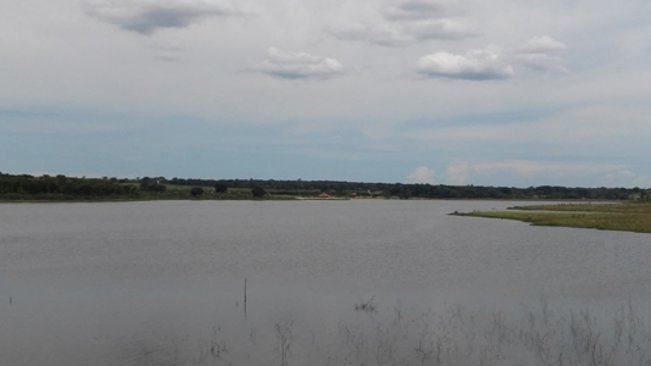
381,34
540,53
147,16
422,175
402,34
543,44
474,65
437,29
298,65
407,23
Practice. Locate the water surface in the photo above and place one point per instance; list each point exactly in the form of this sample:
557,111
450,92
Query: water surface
345,282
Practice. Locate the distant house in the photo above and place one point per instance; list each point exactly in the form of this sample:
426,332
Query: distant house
324,195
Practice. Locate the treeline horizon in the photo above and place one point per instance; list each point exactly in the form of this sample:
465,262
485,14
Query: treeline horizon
61,187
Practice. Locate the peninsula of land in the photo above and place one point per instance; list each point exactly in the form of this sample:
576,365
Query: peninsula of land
632,215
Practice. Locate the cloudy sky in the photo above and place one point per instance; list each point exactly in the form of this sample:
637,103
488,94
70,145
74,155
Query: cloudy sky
498,92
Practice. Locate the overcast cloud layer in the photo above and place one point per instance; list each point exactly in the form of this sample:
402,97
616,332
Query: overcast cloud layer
450,91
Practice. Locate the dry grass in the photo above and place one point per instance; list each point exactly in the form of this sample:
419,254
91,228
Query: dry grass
635,217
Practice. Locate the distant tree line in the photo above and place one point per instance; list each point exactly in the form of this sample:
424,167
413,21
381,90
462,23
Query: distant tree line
405,191
62,187
19,186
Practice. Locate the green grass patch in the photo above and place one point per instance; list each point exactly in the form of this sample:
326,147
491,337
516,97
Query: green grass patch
635,217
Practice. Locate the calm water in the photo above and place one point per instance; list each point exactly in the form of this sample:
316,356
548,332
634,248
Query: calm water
328,283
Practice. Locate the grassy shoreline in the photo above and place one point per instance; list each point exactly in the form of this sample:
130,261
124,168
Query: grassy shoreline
629,216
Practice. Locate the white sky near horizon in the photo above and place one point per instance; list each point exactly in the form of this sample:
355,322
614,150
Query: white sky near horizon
502,92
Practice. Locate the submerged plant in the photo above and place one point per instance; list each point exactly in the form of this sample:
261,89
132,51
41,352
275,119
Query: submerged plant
285,337
367,306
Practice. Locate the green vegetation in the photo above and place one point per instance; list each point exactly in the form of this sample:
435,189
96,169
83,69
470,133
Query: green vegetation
221,188
26,187
630,216
196,191
258,192
62,188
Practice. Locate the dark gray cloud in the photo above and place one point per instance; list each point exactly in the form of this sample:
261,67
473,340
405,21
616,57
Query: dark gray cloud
298,65
147,16
414,10
474,65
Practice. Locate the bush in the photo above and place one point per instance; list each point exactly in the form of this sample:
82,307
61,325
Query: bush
258,191
220,188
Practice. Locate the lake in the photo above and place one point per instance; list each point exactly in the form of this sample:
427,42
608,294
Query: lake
361,282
